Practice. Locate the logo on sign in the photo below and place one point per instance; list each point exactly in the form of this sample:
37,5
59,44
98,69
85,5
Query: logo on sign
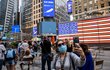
50,10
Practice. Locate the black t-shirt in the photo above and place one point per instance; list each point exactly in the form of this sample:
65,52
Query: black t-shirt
46,46
69,49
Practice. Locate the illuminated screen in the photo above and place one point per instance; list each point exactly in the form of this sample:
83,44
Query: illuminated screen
67,28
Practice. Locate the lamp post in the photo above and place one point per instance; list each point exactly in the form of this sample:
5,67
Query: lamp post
20,27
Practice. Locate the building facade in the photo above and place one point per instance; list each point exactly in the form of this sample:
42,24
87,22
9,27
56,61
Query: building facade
31,15
61,14
32,12
6,14
3,4
16,12
85,9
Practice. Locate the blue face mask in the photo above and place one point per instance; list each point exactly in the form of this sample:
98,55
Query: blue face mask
62,48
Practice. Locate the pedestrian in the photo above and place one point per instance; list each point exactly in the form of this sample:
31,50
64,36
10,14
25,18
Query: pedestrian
69,46
67,60
89,65
2,52
46,51
10,57
23,49
26,56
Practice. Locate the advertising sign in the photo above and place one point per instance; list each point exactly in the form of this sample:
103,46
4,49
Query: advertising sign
15,28
48,8
48,28
69,6
34,31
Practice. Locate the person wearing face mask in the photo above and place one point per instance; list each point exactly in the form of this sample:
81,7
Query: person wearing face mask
67,60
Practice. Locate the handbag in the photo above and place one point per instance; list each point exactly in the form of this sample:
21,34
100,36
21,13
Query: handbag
50,56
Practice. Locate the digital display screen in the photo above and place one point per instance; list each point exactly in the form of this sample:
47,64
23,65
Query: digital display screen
67,28
34,31
69,6
48,27
15,28
48,8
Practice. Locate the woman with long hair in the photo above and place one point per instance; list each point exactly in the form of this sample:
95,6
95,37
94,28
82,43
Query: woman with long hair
67,60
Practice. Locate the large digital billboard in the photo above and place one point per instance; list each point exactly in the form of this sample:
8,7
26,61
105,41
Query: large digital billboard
69,6
47,28
48,8
67,28
15,28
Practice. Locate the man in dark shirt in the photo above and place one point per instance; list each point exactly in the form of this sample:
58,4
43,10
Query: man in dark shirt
46,51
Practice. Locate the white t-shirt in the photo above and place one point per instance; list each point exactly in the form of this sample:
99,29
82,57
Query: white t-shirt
2,51
24,46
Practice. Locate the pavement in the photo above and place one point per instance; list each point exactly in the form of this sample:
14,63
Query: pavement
105,55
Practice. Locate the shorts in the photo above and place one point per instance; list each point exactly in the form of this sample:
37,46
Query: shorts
10,62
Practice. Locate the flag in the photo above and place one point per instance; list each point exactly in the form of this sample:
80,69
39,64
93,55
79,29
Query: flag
95,30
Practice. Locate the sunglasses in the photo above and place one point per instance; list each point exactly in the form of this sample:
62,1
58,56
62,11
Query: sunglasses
60,44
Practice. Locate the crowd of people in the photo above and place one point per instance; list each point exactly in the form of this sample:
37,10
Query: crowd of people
62,55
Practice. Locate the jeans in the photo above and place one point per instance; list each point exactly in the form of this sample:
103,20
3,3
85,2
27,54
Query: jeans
44,60
1,63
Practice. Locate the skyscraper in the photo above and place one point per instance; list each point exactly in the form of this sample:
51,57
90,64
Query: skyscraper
7,12
61,14
31,14
16,12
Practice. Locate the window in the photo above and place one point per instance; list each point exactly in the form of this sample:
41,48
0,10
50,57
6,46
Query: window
85,9
90,2
39,10
102,5
39,5
80,16
34,3
76,12
34,12
80,11
39,1
34,22
108,3
36,7
76,8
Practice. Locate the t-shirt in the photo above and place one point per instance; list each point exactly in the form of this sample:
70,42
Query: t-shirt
2,51
24,46
46,47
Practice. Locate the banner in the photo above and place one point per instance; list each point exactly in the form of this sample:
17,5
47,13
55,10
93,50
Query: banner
34,31
69,6
48,8
15,29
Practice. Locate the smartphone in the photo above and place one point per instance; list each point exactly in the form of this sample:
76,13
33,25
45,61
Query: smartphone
75,41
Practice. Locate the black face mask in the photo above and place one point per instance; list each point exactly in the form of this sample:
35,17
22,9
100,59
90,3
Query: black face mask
60,44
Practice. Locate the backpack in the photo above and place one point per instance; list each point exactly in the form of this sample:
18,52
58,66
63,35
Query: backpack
10,54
